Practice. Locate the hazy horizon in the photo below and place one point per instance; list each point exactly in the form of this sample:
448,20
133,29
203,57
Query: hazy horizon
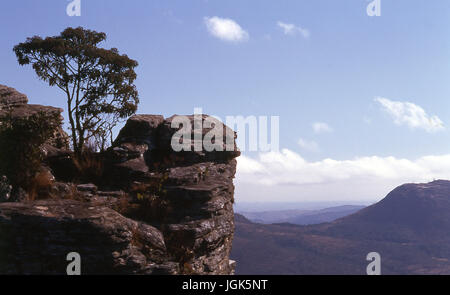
280,206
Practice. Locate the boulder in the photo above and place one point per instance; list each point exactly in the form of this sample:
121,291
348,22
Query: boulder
88,187
198,156
140,129
149,137
36,237
16,104
9,97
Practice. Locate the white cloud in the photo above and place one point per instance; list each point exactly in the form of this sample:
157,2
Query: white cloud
410,114
308,145
292,178
321,127
225,29
291,29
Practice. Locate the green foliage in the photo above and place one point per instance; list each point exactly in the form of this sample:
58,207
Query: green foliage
21,138
98,83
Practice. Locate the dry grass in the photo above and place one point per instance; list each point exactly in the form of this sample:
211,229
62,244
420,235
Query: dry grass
73,194
123,205
145,202
90,167
40,186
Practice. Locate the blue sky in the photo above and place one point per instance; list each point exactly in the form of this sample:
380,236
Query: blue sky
333,75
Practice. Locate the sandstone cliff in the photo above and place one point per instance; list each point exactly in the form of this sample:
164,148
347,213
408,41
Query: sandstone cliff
145,210
16,103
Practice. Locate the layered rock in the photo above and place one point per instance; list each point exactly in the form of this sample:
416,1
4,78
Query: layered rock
144,144
153,211
15,104
36,238
195,201
9,97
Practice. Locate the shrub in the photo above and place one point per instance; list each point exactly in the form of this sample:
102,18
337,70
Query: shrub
147,201
21,138
5,189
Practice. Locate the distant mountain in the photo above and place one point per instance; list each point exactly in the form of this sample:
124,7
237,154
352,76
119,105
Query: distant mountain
240,206
241,219
302,217
410,228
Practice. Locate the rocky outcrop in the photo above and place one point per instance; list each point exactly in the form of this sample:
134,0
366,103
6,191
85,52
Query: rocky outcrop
144,145
152,211
36,238
15,104
195,202
9,97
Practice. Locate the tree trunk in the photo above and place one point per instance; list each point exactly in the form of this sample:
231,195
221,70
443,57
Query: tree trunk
72,126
